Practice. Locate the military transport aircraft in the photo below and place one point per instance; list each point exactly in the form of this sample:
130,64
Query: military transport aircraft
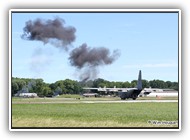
124,93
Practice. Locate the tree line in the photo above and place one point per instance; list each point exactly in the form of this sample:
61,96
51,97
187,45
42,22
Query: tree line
26,85
68,86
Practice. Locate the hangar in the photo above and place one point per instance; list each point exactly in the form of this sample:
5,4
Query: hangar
155,92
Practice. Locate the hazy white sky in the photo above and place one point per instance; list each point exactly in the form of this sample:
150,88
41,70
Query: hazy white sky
147,42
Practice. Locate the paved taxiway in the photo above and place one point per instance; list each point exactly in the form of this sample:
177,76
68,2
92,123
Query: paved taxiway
132,101
88,102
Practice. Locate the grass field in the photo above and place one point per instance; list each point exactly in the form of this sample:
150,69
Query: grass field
25,114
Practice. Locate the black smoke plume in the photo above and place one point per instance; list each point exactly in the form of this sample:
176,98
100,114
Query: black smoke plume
50,31
88,60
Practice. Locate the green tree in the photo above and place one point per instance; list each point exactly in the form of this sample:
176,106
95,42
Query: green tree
58,91
14,87
46,91
39,86
97,82
145,84
126,84
61,85
133,83
118,84
69,86
175,86
169,84
158,84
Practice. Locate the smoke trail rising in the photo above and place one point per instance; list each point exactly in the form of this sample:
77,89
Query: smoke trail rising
87,60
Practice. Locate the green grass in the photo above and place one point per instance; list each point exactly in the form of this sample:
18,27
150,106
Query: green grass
93,115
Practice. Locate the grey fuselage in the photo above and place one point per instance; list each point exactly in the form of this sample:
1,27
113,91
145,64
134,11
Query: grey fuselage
132,93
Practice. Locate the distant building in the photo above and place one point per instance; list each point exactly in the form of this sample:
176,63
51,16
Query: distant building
26,95
156,92
163,94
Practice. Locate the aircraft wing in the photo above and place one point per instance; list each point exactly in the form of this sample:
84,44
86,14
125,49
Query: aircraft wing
110,89
98,89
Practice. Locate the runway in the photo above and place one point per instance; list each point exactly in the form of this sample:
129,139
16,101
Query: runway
91,102
133,101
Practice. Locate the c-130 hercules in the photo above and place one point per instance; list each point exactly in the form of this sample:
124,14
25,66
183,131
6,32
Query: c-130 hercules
124,93
132,92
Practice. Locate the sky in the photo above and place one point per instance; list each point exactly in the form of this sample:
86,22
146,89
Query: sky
145,41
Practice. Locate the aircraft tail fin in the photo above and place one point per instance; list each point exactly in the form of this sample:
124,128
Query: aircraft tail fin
139,82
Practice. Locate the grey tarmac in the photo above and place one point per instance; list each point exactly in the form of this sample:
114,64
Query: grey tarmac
88,102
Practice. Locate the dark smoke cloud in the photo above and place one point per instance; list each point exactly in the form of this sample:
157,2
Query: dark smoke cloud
50,31
87,56
88,60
